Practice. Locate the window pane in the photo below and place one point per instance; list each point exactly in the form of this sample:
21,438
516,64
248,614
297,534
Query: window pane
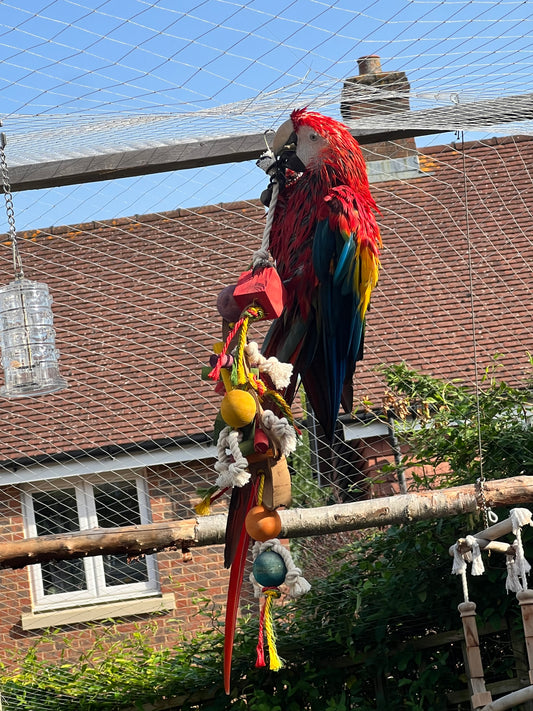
57,513
117,505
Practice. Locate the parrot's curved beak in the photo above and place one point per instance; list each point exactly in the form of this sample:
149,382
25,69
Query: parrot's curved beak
284,146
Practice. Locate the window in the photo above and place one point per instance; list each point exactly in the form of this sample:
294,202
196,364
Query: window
67,505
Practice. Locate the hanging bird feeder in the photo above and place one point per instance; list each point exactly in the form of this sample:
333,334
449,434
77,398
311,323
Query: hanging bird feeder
29,355
27,337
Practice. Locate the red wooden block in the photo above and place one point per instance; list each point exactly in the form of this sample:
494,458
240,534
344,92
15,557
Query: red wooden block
261,443
262,288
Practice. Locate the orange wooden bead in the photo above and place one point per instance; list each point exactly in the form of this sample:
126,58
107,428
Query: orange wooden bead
262,524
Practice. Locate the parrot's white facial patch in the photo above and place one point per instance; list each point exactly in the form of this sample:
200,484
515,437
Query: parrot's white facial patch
310,146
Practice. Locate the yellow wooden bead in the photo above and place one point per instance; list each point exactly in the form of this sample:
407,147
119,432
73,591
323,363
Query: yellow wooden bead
238,408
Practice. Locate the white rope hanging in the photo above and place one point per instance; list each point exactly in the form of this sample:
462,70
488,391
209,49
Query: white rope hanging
518,567
460,560
262,258
278,372
231,465
459,568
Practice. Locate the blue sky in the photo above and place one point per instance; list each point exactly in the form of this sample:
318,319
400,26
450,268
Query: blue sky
65,60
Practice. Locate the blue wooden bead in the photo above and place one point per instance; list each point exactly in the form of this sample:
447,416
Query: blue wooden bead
269,569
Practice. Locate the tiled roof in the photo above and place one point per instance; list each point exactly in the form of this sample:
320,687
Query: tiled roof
422,308
134,299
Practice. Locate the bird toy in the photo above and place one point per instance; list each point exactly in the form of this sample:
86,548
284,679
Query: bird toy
273,566
254,432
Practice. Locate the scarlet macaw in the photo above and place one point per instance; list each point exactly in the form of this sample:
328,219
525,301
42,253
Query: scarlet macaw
325,242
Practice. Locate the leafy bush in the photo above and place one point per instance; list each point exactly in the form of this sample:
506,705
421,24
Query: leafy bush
352,642
366,635
441,422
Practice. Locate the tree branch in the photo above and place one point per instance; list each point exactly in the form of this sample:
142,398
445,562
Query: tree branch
209,530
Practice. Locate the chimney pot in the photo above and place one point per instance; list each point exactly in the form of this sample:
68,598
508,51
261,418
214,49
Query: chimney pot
371,64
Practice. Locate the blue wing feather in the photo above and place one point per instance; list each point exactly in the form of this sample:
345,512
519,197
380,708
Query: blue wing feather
339,323
325,343
344,263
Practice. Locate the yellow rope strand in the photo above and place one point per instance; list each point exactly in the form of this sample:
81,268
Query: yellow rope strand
257,384
241,374
275,661
260,490
204,507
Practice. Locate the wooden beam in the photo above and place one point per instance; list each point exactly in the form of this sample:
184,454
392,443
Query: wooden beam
511,701
209,530
144,161
404,508
147,161
212,151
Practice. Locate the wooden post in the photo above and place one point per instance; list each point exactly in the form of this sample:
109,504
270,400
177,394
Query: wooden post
480,696
525,598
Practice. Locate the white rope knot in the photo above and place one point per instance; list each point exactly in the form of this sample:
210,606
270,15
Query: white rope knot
512,582
459,568
231,464
519,518
279,431
278,372
518,567
459,563
261,259
297,585
475,555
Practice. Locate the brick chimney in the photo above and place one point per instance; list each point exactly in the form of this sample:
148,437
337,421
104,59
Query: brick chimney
361,98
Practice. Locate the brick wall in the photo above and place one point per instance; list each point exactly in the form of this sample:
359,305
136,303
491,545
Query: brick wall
173,494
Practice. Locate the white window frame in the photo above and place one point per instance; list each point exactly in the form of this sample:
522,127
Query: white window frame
97,591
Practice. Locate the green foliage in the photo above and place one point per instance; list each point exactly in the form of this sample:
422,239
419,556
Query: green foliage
442,422
114,672
306,492
351,643
365,636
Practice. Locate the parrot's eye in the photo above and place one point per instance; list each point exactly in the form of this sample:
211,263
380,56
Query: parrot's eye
313,136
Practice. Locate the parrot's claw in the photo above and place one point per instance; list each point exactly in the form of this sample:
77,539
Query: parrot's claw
267,162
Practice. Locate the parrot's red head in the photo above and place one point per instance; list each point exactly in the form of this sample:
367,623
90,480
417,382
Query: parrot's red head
323,125
309,141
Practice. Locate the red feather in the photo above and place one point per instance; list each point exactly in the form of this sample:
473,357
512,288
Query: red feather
234,589
311,334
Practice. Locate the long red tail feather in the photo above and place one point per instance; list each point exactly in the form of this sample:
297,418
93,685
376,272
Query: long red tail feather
234,593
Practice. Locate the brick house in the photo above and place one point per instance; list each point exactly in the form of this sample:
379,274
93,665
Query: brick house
134,305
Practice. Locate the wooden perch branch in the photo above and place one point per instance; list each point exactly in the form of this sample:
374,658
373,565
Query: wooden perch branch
209,530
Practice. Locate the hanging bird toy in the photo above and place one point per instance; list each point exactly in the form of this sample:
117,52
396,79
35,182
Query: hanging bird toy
254,432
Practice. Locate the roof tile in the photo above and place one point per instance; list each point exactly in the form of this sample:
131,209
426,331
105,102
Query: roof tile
134,299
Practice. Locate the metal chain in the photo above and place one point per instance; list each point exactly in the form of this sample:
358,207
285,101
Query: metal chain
489,517
10,210
482,501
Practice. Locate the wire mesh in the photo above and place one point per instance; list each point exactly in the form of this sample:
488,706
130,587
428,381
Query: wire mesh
134,296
